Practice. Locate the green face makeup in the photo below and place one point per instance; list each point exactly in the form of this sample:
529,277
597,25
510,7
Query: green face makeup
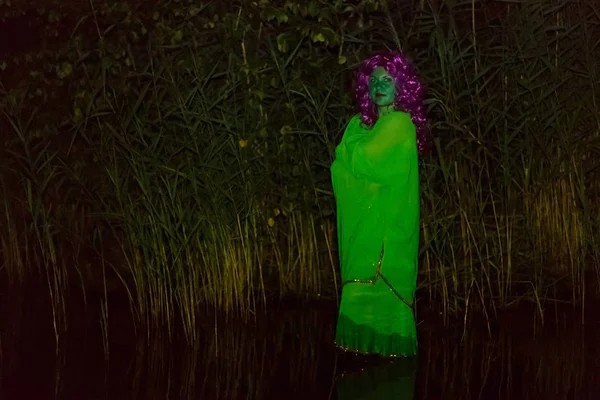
382,88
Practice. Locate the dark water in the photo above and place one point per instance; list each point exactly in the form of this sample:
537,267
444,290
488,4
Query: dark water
287,354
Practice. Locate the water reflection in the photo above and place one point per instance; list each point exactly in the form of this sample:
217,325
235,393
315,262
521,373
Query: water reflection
286,354
394,380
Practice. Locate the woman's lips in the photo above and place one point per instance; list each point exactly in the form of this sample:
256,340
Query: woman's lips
379,95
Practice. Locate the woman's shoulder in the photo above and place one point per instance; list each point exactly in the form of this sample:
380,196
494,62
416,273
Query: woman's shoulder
354,124
355,120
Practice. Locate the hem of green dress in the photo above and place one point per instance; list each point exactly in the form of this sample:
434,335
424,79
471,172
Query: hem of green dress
366,353
362,339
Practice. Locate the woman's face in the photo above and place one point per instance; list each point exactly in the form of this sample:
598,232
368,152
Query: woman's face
382,87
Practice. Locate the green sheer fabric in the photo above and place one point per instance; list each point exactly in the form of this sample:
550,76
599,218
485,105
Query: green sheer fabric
376,185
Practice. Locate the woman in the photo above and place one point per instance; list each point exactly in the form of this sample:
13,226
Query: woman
376,185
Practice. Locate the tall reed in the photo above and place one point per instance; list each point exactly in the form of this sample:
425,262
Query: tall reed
192,194
506,203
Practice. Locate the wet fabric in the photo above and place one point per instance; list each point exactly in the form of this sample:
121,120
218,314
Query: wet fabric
376,185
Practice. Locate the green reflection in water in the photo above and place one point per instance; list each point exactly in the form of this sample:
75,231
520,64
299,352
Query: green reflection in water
394,380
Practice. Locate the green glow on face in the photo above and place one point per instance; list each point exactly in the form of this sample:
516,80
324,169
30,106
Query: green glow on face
382,88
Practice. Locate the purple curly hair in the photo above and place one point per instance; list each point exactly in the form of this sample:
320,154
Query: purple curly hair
410,93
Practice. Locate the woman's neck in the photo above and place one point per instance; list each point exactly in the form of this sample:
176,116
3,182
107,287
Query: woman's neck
383,110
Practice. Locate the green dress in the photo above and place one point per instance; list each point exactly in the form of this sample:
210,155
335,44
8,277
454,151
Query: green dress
376,185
